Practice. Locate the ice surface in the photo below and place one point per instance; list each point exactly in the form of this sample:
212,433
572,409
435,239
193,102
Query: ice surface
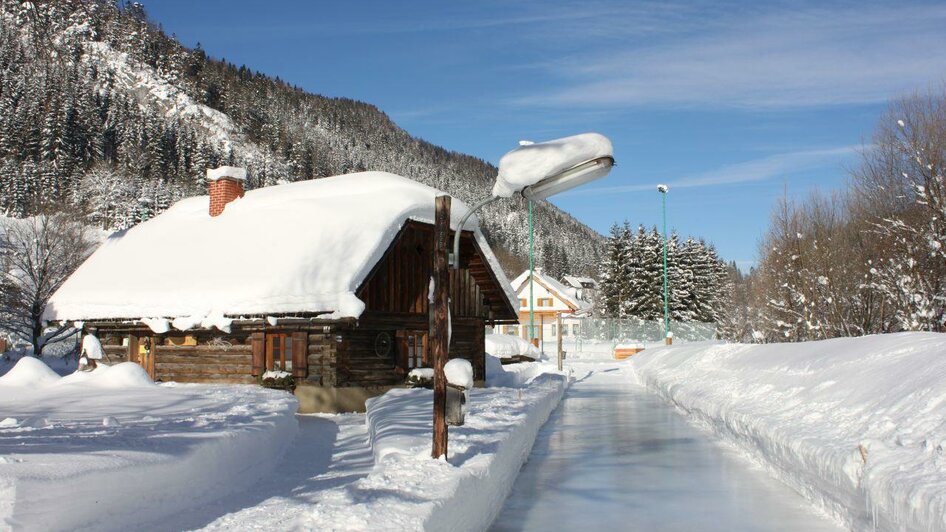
616,457
459,372
298,247
528,164
856,424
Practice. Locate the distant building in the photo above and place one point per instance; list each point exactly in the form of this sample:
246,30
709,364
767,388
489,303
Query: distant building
550,298
584,288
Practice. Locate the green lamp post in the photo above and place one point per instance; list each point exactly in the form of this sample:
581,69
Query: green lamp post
667,335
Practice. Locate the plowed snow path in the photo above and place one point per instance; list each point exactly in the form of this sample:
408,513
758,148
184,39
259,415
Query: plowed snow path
614,456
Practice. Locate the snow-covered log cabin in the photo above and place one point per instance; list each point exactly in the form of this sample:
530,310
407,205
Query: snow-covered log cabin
327,280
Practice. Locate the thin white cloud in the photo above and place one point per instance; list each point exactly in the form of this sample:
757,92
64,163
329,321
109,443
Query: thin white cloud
763,169
789,58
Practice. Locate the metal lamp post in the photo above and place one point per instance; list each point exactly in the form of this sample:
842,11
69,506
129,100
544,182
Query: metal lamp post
663,194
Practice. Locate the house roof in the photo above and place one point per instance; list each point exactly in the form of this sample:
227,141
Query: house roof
563,292
580,282
298,247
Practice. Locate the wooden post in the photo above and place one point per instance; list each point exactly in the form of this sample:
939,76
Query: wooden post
439,341
558,325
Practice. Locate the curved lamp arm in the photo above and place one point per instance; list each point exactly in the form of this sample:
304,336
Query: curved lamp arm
455,257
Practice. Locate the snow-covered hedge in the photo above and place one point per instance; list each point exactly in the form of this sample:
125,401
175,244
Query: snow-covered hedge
109,450
410,491
507,345
857,425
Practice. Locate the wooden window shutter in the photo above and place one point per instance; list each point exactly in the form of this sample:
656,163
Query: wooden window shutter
257,341
300,353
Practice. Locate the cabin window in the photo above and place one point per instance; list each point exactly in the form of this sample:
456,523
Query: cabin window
523,303
412,349
512,329
278,352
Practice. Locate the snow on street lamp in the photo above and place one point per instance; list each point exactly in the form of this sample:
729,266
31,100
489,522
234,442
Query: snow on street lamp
668,338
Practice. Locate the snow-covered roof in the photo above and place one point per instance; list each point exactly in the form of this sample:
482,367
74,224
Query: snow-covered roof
531,162
564,293
580,282
299,247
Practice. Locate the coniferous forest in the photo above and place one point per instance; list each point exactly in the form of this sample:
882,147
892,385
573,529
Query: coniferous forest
103,113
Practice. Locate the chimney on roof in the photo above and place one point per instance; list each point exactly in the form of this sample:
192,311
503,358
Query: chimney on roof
224,185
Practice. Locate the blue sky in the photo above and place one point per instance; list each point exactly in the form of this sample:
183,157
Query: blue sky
732,104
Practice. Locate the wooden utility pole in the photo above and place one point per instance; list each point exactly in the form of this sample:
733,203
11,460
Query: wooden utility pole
558,325
439,307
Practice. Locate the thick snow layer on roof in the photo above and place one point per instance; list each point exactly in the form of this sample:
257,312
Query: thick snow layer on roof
298,247
530,163
566,293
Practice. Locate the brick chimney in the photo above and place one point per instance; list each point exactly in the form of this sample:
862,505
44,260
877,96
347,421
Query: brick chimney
224,185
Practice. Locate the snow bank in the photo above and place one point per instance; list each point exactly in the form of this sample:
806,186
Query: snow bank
328,234
86,455
528,164
507,345
407,490
29,372
855,424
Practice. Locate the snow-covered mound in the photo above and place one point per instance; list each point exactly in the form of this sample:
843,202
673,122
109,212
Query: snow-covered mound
530,163
857,425
328,234
408,490
29,372
32,373
90,456
459,372
507,345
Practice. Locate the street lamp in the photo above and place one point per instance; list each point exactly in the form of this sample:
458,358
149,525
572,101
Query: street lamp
543,187
663,194
537,171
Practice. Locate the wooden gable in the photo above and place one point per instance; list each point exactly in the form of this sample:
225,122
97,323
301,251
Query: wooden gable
399,282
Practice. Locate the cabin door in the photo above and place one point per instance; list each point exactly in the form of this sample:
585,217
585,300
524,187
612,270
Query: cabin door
412,350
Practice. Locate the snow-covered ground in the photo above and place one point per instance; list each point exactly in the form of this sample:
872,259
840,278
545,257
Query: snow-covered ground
109,450
407,490
857,425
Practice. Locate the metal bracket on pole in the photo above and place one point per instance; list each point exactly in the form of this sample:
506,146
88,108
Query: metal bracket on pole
455,256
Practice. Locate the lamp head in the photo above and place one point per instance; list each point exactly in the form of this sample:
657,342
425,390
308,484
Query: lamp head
662,189
570,178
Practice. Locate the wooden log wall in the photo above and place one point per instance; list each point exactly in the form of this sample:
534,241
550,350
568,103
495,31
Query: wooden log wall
204,363
322,357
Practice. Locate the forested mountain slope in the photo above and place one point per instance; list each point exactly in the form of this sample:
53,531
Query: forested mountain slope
101,110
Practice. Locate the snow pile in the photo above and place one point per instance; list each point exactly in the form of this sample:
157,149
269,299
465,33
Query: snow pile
92,347
29,372
854,424
199,272
530,163
506,346
407,490
32,373
459,372
91,456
